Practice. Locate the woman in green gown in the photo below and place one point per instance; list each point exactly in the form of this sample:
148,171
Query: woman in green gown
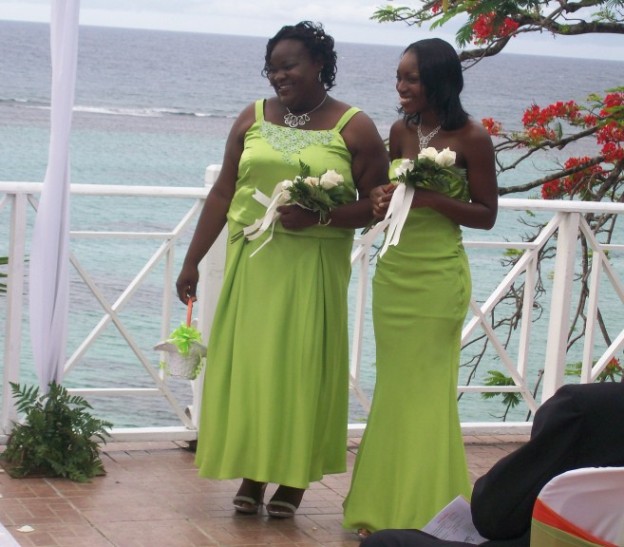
275,394
411,460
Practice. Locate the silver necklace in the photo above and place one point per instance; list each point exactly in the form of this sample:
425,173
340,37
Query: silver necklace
294,120
423,140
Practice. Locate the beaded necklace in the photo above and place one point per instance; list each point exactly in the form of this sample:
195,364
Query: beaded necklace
423,140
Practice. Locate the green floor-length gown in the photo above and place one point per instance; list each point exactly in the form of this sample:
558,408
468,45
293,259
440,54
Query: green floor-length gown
411,461
275,396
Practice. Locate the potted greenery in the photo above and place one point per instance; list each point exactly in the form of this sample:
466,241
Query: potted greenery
57,438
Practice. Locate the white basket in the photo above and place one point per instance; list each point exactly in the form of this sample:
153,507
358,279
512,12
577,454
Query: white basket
182,366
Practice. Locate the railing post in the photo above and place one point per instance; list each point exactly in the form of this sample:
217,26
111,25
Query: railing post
211,271
15,295
558,326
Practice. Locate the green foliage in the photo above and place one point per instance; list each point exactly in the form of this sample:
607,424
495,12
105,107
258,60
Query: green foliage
496,378
57,437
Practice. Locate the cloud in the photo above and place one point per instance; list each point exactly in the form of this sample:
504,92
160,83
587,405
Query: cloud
346,20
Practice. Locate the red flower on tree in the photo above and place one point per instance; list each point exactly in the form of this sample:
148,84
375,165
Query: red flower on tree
613,100
552,189
611,134
534,115
487,27
612,152
493,127
575,183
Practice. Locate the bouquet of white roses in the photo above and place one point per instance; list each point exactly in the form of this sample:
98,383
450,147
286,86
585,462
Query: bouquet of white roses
319,194
432,170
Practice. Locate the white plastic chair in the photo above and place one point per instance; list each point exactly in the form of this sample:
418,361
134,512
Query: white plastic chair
581,507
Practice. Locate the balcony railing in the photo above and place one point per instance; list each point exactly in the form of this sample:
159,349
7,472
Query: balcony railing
120,370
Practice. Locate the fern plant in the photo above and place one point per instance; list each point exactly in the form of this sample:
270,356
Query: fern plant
58,436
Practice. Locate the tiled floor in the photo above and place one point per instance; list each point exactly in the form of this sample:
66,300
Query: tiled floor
151,497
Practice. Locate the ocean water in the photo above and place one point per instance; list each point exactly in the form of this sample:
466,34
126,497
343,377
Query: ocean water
155,108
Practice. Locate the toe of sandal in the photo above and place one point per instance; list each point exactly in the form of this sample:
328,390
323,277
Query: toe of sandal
281,509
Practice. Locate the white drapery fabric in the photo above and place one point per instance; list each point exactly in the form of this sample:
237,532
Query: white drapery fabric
49,256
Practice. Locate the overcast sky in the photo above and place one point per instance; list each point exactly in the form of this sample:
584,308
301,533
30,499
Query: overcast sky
346,20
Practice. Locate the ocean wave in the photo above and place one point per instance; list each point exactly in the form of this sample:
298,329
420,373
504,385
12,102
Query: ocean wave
22,102
141,112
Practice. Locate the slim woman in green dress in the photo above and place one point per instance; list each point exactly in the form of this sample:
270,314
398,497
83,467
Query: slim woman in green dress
275,395
411,461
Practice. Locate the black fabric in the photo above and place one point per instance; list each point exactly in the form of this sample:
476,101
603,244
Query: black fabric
417,538
406,538
580,426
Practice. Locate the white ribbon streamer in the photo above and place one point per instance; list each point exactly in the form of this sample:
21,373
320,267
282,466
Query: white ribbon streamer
395,218
370,236
269,219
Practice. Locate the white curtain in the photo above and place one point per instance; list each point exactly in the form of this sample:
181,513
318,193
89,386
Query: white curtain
49,256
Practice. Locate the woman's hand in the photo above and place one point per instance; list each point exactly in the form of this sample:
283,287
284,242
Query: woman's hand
380,197
294,217
186,285
428,198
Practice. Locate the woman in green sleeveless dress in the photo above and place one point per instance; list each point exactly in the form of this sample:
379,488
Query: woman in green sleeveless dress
275,395
411,460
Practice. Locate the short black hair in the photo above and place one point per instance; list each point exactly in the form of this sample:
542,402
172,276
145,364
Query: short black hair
441,74
319,44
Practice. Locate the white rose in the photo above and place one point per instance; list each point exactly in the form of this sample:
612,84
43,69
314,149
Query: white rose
331,178
446,157
284,196
404,167
429,153
287,184
312,181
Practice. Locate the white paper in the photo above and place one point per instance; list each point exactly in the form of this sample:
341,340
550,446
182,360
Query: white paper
454,523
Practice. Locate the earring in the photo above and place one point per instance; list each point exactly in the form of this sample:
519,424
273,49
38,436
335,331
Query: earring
320,78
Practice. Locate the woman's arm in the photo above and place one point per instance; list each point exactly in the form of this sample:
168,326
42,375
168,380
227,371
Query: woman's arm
213,214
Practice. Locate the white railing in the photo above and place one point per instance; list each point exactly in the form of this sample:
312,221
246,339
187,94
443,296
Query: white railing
519,361
566,221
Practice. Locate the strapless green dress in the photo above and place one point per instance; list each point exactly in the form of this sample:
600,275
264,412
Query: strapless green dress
275,396
411,461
